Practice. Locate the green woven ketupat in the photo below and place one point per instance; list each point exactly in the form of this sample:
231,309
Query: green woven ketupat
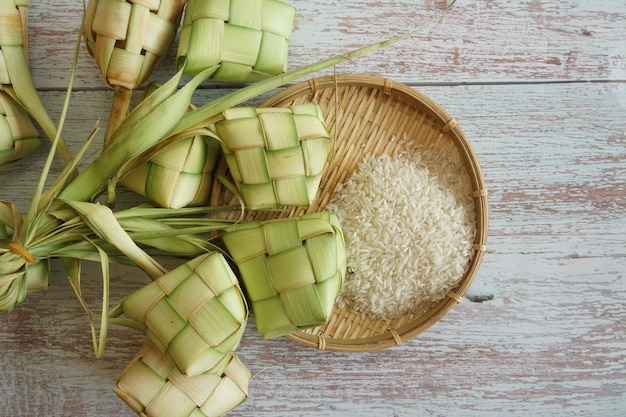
244,40
178,175
276,156
195,313
152,386
14,34
18,136
32,278
15,77
22,277
128,37
292,269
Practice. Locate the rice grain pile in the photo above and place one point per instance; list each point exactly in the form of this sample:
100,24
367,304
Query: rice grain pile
409,224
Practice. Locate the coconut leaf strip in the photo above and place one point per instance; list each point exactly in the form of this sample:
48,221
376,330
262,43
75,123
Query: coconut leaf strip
73,268
103,222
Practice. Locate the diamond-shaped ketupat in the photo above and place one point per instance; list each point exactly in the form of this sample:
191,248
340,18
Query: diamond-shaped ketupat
152,385
18,136
242,40
178,175
276,156
195,313
25,277
128,39
292,269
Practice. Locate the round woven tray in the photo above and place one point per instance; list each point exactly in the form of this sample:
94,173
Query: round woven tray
367,114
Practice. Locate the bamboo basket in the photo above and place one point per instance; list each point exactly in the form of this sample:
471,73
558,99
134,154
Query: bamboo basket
367,114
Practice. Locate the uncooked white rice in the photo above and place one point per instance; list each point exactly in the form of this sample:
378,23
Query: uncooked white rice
409,225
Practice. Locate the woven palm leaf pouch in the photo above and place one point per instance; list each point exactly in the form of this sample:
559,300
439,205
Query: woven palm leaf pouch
23,276
152,385
292,269
276,156
196,313
127,38
178,175
243,40
18,135
16,82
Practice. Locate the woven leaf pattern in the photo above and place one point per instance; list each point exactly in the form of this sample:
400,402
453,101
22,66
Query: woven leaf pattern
292,269
153,386
15,76
23,281
18,136
276,156
244,40
179,175
18,278
195,313
14,32
127,38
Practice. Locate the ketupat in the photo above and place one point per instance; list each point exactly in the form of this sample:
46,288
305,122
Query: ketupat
292,269
127,38
158,118
15,77
18,136
17,281
178,174
151,385
241,40
276,156
196,313
161,116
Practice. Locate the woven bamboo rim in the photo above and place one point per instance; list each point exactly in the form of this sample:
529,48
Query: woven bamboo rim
371,115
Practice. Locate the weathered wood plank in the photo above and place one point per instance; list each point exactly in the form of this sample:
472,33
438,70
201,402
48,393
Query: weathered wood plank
476,41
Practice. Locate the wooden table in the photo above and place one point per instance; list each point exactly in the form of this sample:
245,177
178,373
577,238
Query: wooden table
540,89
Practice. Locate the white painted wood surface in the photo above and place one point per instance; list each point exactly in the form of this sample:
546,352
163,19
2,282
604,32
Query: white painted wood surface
540,89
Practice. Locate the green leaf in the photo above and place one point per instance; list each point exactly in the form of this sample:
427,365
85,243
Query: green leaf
104,224
73,269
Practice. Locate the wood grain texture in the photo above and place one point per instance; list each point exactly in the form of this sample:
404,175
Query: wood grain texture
545,108
476,41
